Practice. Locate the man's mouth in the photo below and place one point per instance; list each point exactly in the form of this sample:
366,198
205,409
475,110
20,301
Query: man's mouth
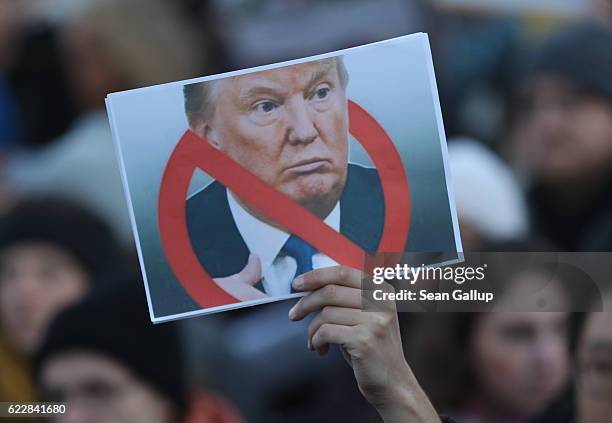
308,165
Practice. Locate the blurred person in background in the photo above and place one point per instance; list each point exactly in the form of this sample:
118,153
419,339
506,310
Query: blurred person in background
9,131
476,52
110,364
563,139
8,112
51,253
107,46
594,367
590,401
602,11
490,203
492,367
31,65
511,364
8,119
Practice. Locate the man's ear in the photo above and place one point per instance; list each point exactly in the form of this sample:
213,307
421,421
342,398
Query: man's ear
206,131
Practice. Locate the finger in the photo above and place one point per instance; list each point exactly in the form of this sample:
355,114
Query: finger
337,316
371,304
322,350
240,291
329,333
250,274
329,295
337,275
244,292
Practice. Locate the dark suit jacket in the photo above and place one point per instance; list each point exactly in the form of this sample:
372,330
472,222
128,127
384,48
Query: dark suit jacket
222,251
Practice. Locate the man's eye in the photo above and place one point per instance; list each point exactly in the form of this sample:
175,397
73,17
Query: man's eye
265,106
322,93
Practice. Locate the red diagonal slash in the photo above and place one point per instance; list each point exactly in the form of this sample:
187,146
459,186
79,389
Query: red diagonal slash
193,152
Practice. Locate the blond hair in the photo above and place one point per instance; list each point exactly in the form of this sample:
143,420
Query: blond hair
147,40
199,96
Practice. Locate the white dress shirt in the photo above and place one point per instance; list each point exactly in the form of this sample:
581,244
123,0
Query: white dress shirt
267,241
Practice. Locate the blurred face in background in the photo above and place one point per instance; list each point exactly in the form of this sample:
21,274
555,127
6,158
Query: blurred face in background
97,389
92,71
520,360
567,134
602,10
594,381
11,12
289,126
36,281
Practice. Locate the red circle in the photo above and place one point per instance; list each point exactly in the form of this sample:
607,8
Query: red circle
193,152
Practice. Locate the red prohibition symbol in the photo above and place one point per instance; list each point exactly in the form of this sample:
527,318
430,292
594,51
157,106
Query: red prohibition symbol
193,152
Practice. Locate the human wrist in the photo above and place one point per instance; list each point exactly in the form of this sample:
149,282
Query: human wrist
407,403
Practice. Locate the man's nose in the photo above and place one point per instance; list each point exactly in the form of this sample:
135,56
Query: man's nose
300,123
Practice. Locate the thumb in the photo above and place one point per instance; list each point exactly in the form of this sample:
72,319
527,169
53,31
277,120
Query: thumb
251,274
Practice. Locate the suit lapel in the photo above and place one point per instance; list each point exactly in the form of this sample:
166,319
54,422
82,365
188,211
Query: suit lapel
214,235
362,208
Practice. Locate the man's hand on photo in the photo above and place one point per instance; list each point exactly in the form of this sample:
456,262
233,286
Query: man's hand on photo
370,342
242,285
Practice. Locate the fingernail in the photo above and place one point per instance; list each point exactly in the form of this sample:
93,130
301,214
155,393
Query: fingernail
309,345
292,313
298,283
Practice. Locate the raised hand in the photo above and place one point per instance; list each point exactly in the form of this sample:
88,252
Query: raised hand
370,342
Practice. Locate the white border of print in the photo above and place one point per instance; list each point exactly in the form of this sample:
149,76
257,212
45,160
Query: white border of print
210,310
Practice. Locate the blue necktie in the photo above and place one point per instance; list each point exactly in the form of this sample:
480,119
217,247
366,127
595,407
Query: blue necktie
301,251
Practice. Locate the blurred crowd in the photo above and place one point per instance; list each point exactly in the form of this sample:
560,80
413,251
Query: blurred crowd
526,94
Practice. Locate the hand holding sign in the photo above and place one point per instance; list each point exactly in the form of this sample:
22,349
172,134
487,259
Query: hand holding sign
370,342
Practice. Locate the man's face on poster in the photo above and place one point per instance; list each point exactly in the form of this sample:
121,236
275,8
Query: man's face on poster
288,126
